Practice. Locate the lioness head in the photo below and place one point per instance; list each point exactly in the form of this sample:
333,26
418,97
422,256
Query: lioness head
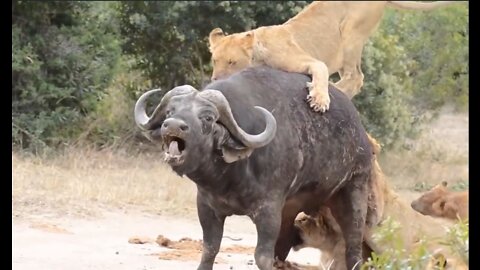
432,202
320,231
230,53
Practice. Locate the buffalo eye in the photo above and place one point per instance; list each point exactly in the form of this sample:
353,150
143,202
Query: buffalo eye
206,122
208,118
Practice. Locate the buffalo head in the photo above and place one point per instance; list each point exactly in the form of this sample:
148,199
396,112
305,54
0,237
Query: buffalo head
192,125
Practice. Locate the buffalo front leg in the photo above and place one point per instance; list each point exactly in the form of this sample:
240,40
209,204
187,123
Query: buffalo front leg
349,208
212,227
267,221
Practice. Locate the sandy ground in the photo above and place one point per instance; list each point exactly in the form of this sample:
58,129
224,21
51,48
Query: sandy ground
103,243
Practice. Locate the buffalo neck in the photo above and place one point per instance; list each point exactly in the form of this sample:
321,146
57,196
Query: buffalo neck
215,175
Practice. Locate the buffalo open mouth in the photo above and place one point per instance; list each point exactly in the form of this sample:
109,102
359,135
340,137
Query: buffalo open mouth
175,150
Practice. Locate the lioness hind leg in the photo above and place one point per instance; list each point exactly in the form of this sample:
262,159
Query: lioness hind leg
351,80
351,75
355,30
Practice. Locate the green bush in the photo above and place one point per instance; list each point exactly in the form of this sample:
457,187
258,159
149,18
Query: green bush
397,257
111,124
437,42
169,39
457,239
63,57
384,100
415,62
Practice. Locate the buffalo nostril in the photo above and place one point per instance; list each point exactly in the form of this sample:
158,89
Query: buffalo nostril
184,127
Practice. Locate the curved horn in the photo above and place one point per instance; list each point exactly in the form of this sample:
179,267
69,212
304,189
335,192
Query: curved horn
141,118
227,119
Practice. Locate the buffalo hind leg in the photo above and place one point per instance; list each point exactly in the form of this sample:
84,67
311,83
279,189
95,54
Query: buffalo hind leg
349,208
212,227
289,235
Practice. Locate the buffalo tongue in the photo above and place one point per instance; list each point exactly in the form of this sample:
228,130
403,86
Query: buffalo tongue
173,148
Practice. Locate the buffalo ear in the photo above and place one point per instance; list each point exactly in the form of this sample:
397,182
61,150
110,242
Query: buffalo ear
232,155
214,36
232,150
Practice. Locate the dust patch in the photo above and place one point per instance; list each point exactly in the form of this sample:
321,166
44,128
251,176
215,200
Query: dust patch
140,240
187,249
238,249
183,244
181,255
51,228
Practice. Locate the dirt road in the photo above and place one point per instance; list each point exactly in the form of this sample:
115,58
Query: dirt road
42,242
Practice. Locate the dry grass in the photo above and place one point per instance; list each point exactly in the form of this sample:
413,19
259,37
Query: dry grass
440,154
78,180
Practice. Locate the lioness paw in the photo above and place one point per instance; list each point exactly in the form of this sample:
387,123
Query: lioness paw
318,99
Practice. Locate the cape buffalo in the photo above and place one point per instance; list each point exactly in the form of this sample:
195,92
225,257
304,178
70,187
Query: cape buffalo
269,166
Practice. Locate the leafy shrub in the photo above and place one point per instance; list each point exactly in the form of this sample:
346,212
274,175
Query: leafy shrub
457,239
63,57
170,38
396,256
111,124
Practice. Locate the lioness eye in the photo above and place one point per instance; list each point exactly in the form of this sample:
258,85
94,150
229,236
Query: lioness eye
230,62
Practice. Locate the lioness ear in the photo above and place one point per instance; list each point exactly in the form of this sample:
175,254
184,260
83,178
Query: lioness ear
215,36
442,205
247,40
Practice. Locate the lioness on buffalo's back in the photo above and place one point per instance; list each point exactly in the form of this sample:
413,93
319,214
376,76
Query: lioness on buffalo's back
325,38
298,160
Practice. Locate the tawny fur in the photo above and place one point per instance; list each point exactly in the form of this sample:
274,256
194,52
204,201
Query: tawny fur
441,202
324,38
322,232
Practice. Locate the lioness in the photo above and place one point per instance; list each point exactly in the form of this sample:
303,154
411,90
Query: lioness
324,38
441,202
322,231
